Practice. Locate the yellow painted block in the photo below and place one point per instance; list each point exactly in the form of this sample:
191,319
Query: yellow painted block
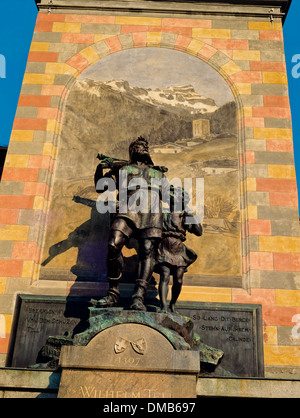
38,78
270,335
14,160
281,355
211,33
49,149
231,68
5,324
38,202
273,133
154,38
252,212
274,77
66,27
287,297
282,171
195,46
22,135
2,285
59,68
90,55
28,268
247,112
264,26
130,20
39,46
251,184
202,294
246,55
14,232
279,244
244,88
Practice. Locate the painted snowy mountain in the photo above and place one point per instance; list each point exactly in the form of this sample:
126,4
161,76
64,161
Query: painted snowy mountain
183,97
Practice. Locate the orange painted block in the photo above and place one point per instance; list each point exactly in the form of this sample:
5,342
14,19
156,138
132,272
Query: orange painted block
230,44
254,122
9,216
279,146
286,262
207,51
4,342
78,62
47,113
276,101
34,189
11,268
34,100
249,157
247,77
78,38
41,56
274,35
113,44
191,23
276,185
20,174
279,315
16,202
34,124
172,29
52,90
24,250
260,296
284,199
73,18
267,66
272,112
261,261
39,161
139,39
43,26
182,43
51,17
133,29
259,227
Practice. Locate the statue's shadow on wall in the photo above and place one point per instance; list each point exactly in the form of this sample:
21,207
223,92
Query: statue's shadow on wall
91,239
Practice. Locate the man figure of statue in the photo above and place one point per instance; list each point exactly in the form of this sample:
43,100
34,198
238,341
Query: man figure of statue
141,219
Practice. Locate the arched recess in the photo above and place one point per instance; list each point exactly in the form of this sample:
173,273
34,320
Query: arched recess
219,61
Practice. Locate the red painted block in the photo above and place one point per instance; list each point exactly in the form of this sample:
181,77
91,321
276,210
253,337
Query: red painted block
39,161
267,66
43,26
35,101
182,43
276,185
271,112
139,39
207,51
113,44
16,202
172,29
279,146
255,122
9,216
78,38
24,250
192,23
249,157
284,199
133,29
276,101
31,124
11,268
260,296
4,344
261,261
47,113
52,90
78,62
41,56
20,174
107,20
51,17
286,262
279,315
259,227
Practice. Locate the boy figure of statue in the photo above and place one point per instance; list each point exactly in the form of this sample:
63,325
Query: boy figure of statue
173,255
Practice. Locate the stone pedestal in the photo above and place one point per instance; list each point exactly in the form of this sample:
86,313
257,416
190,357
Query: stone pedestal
128,360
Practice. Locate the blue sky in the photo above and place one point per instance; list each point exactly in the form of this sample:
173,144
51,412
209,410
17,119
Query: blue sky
17,20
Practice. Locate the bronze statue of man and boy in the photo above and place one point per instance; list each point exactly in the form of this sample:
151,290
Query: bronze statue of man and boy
160,234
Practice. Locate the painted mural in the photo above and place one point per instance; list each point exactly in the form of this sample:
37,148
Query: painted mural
186,111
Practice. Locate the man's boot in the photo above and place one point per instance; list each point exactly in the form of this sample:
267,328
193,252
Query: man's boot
113,295
138,296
